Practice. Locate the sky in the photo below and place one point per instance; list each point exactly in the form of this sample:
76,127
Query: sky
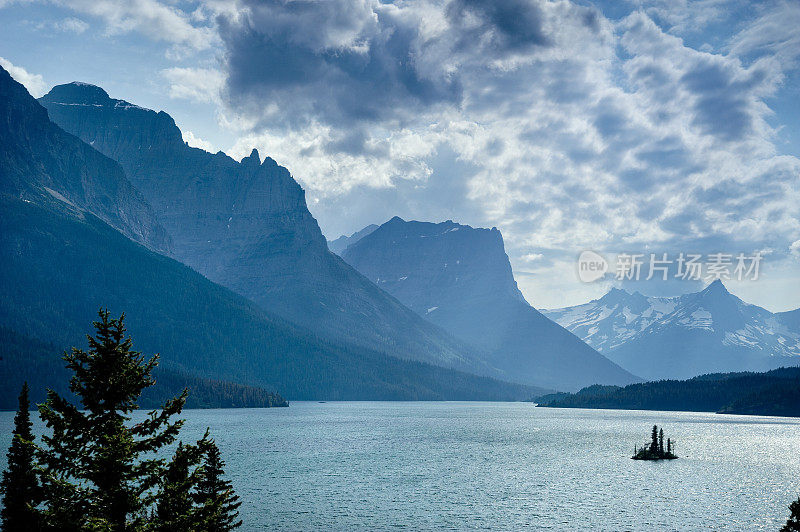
622,127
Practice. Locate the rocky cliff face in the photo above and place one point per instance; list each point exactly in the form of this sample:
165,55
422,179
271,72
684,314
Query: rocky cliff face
460,278
41,163
246,226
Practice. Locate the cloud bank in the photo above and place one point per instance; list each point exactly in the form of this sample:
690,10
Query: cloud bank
646,126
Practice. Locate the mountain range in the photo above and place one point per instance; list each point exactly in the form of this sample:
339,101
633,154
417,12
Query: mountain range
221,267
76,234
246,226
460,278
680,337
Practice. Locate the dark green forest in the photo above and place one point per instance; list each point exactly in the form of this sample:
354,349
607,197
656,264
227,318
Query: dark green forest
42,365
773,393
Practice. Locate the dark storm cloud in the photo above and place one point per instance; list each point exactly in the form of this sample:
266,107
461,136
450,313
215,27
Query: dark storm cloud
346,61
723,106
311,59
506,24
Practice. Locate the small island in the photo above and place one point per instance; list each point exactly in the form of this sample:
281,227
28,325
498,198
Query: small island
655,450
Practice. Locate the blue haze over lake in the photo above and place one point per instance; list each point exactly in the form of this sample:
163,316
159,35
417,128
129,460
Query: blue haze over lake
383,465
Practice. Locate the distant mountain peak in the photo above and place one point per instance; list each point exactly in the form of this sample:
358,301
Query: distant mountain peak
79,92
700,332
614,291
715,287
340,244
620,296
459,277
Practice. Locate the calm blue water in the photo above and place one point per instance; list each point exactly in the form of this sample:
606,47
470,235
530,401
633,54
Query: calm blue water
502,466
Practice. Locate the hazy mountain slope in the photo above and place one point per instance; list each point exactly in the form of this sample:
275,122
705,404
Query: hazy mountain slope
61,262
41,162
59,269
704,332
790,319
460,279
340,244
246,226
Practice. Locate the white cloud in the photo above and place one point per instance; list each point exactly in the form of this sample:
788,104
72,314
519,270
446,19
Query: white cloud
196,142
196,84
156,20
71,25
774,33
794,249
615,136
33,82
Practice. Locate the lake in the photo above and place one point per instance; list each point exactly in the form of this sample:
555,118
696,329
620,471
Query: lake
505,466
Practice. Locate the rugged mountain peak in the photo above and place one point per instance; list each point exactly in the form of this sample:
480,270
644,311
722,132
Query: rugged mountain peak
715,288
618,297
253,159
449,255
155,129
78,93
683,336
615,294
246,226
42,164
460,278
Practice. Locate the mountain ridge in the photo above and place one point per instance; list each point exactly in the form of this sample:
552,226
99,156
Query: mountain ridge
61,262
246,225
680,337
40,162
460,278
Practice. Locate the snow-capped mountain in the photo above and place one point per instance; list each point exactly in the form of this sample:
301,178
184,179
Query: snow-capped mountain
680,337
613,319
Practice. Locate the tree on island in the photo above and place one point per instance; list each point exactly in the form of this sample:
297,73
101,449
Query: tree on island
793,523
655,449
97,470
20,484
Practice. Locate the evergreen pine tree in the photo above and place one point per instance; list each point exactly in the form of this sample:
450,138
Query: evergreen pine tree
20,485
218,503
661,441
654,440
95,473
793,523
174,506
